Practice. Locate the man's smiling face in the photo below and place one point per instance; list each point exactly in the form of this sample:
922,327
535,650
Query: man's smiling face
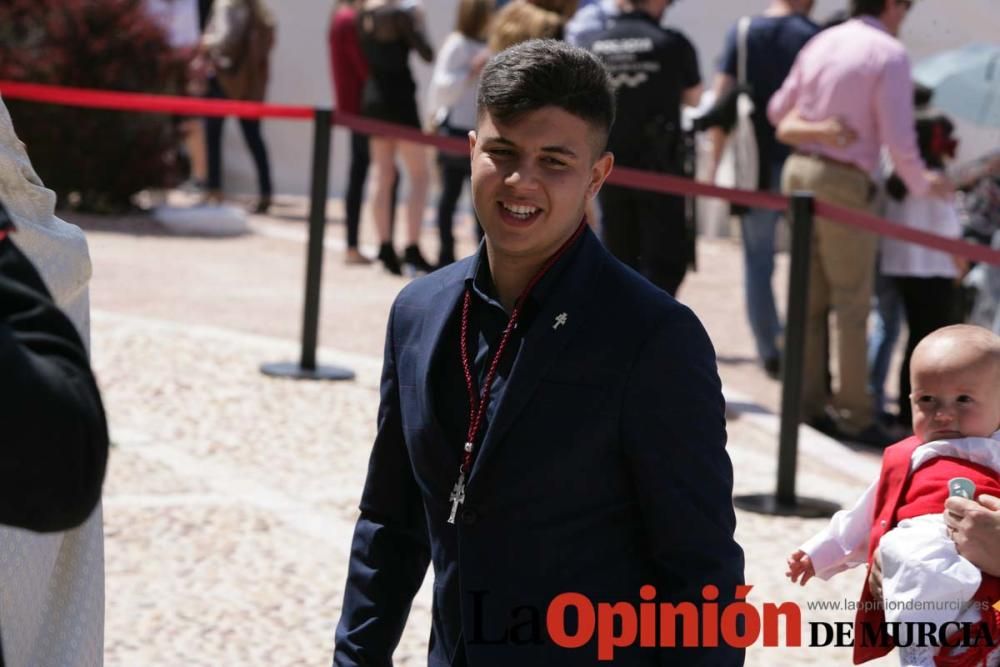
532,179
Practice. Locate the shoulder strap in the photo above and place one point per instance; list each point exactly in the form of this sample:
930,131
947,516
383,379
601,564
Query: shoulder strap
742,30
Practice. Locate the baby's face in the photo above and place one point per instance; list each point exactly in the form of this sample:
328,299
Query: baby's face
955,403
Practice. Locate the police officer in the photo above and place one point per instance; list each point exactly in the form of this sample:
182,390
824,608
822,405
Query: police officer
654,70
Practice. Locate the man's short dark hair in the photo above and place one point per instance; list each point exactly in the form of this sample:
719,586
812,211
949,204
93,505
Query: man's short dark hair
867,7
545,72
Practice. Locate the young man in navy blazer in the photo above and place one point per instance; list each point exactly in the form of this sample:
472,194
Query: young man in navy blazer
550,422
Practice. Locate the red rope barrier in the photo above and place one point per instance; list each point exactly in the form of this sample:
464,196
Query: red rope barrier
882,227
119,101
678,185
634,178
380,128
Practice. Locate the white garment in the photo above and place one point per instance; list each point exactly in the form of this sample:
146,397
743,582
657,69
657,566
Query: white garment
920,563
51,585
451,92
179,18
928,214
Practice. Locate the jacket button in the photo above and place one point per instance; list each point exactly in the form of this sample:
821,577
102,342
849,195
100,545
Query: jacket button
883,522
469,517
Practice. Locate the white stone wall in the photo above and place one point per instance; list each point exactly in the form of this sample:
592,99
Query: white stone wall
300,70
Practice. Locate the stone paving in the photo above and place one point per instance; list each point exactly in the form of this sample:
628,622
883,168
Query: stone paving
231,496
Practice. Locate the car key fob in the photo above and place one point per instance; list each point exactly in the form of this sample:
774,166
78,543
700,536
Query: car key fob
961,487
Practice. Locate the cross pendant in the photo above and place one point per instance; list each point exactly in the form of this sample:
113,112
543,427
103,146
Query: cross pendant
457,496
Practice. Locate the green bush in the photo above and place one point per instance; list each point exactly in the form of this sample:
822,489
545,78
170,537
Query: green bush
95,159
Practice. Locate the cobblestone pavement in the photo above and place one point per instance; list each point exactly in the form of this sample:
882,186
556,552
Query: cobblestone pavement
231,496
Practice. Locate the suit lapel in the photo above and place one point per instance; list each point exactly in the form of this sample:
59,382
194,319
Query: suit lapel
542,345
440,311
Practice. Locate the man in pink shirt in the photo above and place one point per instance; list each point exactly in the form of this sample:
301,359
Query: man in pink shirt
857,77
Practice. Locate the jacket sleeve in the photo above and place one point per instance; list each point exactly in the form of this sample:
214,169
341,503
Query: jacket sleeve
674,435
411,26
53,433
390,552
450,77
894,116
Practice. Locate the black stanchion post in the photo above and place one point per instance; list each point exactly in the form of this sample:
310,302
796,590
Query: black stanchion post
307,369
784,502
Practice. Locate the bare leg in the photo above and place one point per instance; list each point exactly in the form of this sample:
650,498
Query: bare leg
415,161
382,156
194,141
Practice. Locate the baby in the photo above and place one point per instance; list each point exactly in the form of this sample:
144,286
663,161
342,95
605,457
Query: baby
955,378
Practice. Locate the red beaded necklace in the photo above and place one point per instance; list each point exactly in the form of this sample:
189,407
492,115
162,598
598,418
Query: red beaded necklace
477,405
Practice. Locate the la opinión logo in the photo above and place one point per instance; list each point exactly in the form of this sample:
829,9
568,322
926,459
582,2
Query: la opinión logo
574,621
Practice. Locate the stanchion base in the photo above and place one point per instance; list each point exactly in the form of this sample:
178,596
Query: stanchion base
292,369
807,508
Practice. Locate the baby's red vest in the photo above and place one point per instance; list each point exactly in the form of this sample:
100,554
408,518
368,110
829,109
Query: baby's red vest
898,498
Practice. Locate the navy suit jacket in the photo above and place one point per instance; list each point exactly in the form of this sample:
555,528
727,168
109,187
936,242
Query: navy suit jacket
604,469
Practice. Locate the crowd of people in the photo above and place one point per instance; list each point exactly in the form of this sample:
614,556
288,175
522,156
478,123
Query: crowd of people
228,45
369,46
835,112
881,155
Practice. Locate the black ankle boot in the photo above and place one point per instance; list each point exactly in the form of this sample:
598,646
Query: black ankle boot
415,260
262,206
446,256
387,256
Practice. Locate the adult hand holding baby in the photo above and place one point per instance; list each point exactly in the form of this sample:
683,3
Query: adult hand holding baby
975,527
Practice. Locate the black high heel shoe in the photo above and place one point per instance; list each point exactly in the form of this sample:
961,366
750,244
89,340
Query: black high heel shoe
262,206
389,260
414,261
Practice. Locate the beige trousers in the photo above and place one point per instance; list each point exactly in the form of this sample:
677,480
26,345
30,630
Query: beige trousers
841,274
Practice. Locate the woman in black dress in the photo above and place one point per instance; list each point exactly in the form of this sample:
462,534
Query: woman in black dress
388,33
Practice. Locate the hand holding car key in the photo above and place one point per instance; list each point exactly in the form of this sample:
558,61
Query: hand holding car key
961,487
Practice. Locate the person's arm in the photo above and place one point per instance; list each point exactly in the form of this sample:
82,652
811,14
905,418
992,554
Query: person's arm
53,433
452,74
690,75
725,81
976,530
412,27
716,134
843,544
795,131
673,428
345,48
355,56
787,97
894,118
390,551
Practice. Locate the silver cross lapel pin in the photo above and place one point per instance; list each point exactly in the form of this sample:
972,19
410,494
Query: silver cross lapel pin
560,320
